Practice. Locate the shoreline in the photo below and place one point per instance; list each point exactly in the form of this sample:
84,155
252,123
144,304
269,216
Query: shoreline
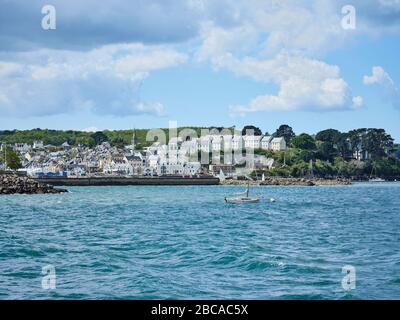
184,181
290,182
10,184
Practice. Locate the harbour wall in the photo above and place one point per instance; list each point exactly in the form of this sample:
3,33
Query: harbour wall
128,181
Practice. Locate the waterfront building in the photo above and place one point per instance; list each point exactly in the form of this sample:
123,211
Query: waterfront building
137,162
228,170
118,166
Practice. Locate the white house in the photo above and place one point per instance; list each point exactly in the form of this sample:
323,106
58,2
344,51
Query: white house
227,142
178,168
278,144
22,147
266,142
38,144
237,142
65,145
152,161
190,146
252,142
137,162
217,142
205,143
118,166
175,143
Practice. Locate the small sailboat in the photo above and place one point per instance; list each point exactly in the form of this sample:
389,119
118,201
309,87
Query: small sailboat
221,176
243,199
375,178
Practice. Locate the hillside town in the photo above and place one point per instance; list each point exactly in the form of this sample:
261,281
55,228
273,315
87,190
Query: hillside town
195,156
359,154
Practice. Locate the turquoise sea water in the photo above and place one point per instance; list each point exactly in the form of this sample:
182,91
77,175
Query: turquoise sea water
186,243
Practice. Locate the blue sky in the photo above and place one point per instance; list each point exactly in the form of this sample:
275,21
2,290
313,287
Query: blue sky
125,64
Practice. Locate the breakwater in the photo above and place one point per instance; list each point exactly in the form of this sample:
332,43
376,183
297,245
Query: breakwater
275,181
13,184
128,181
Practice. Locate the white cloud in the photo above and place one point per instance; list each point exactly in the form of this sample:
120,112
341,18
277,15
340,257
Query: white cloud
380,77
218,40
304,84
105,80
358,102
151,108
266,27
9,69
149,61
278,42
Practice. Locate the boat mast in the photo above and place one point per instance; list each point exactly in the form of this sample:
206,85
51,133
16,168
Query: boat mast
373,168
311,169
5,157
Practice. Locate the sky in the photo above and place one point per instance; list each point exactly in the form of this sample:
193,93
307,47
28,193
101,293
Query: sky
95,65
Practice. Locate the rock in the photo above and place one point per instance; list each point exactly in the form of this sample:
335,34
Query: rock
12,184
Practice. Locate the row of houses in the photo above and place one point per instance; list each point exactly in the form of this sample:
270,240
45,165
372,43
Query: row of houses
210,143
174,158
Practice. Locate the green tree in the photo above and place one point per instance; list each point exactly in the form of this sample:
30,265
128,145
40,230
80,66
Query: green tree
286,132
343,146
12,159
118,142
326,151
329,135
257,131
304,141
377,142
99,137
85,141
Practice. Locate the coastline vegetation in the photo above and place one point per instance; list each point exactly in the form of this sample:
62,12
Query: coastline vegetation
358,154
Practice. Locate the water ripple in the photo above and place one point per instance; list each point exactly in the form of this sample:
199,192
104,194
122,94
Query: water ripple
185,242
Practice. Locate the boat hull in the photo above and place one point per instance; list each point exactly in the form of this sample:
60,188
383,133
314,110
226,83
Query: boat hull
242,200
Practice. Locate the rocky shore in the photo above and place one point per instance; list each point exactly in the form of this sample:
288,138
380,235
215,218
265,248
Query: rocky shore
13,184
290,182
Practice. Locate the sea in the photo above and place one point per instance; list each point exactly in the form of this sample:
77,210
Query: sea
185,242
